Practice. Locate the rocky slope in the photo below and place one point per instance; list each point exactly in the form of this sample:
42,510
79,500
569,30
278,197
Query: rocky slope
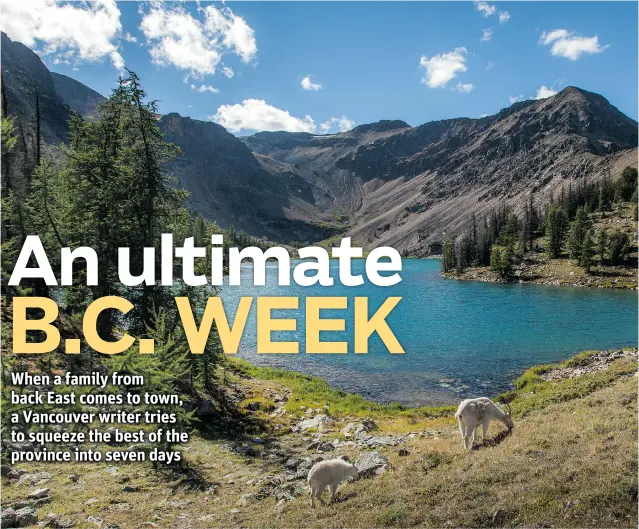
411,186
23,76
229,185
384,183
78,96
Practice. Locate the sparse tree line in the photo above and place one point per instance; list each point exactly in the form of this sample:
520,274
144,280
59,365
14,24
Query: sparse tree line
501,238
108,188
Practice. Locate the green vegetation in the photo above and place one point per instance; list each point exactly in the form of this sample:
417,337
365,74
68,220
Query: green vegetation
574,225
107,189
533,393
311,392
570,462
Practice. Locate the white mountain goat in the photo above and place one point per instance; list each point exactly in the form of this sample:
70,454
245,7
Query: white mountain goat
480,411
329,474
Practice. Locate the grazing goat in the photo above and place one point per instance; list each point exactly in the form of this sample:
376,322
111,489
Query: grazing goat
329,474
474,412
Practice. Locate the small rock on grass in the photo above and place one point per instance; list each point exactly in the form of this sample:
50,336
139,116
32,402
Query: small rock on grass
39,493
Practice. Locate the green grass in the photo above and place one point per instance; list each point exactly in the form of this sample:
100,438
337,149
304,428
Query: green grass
314,392
533,393
571,461
530,391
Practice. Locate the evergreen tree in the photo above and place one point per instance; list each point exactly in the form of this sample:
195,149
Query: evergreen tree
586,252
448,257
626,186
602,245
578,231
619,246
556,223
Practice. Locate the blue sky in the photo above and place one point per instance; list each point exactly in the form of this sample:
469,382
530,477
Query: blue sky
367,61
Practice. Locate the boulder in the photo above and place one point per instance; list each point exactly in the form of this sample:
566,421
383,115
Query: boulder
325,447
292,463
383,440
25,517
39,493
355,428
371,464
53,521
320,422
8,518
35,478
247,499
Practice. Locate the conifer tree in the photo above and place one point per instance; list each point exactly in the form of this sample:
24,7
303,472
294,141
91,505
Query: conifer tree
586,252
619,245
556,222
578,231
602,245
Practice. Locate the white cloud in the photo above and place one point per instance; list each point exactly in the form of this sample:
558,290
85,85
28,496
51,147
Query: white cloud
485,8
545,92
464,88
486,35
71,33
176,38
309,85
228,72
490,65
204,88
515,99
488,10
443,67
342,124
566,44
547,38
256,114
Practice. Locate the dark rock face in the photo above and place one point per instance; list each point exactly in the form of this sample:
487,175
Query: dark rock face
229,185
24,74
383,183
78,96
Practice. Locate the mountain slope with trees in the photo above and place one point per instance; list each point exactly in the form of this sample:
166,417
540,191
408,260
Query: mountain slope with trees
585,236
384,183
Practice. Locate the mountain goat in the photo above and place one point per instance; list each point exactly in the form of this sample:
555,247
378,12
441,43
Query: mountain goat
480,411
329,474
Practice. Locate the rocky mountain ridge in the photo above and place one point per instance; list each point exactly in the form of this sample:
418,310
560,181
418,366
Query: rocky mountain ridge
383,183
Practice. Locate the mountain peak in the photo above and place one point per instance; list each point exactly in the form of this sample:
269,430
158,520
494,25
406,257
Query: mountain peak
579,95
384,125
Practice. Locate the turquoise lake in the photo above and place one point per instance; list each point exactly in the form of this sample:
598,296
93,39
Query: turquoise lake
461,338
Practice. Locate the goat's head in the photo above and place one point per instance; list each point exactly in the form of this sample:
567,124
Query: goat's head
508,417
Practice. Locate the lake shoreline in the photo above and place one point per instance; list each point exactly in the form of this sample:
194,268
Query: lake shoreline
436,324
485,275
574,366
